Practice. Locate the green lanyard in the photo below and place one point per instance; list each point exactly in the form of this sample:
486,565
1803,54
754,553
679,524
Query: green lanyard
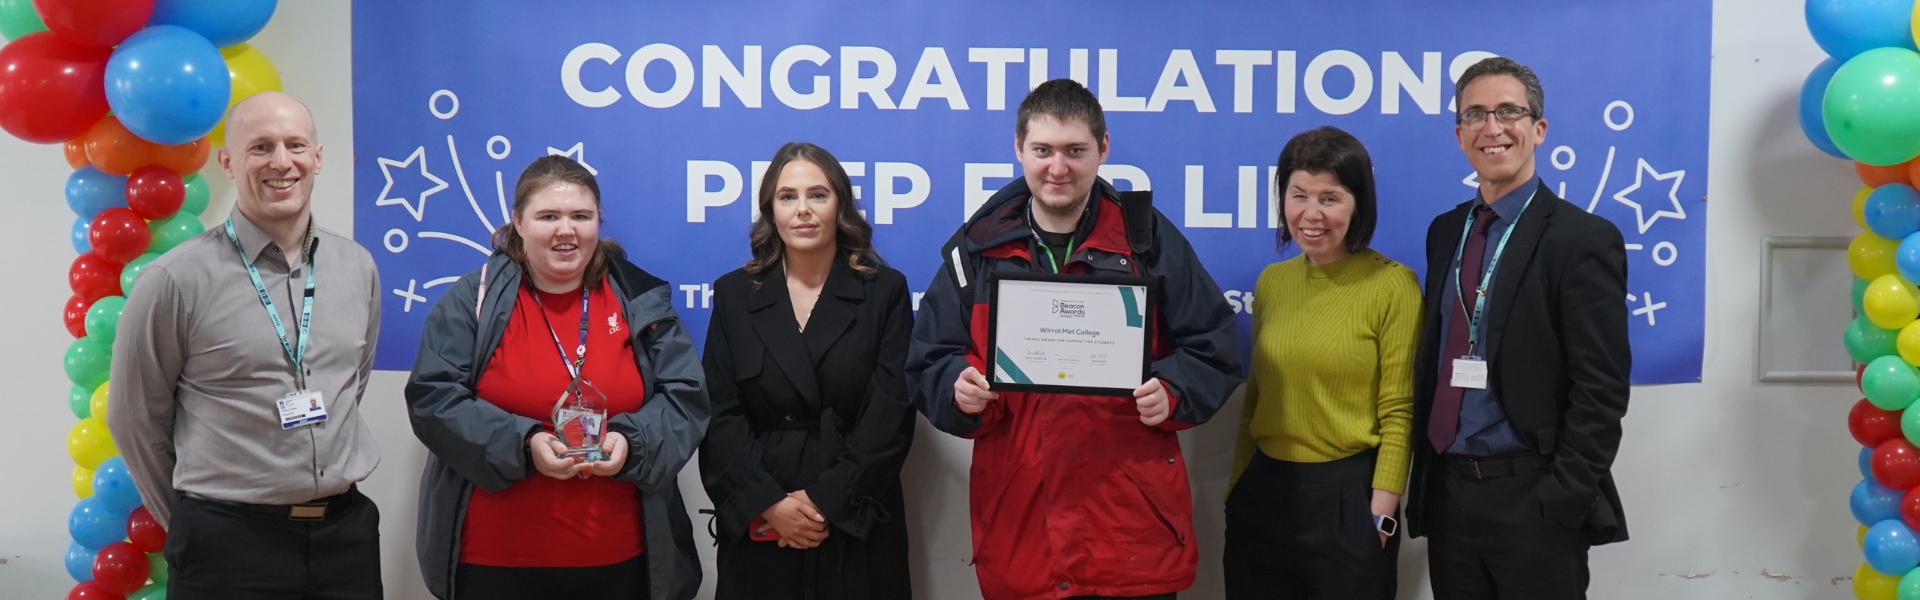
1486,278
266,300
1048,251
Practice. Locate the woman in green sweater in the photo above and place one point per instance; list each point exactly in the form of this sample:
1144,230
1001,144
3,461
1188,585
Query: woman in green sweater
1325,428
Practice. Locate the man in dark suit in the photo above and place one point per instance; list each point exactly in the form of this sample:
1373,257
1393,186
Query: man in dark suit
1521,378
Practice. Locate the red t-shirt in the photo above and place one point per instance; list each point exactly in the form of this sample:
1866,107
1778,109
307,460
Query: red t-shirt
542,521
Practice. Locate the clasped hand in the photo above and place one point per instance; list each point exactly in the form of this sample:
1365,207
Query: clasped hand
550,457
799,522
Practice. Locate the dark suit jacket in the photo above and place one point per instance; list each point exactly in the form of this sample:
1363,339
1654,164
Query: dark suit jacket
1558,359
824,410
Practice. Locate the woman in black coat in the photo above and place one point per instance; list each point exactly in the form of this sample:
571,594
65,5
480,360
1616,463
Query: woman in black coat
811,420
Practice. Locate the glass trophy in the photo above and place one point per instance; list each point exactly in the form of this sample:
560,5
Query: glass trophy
580,420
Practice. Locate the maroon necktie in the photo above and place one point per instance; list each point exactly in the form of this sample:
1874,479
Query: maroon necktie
1445,420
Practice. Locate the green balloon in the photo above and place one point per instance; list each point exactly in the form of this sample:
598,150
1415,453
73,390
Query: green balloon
1865,341
197,194
151,591
80,401
1872,106
1909,587
169,232
132,271
158,571
1859,295
104,316
87,363
17,19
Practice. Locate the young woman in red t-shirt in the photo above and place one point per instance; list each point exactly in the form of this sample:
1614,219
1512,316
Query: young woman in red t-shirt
565,527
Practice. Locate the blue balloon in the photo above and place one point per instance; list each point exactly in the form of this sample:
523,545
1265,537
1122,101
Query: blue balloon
113,484
1845,28
95,523
91,190
1866,462
80,561
168,85
1906,256
222,22
1891,548
1813,121
1871,502
1892,211
82,244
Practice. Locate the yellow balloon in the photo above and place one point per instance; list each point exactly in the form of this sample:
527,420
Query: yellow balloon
1869,584
251,73
1870,256
98,405
1860,206
89,443
1891,303
82,481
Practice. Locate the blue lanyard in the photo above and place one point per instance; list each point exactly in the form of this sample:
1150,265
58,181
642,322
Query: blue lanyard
579,359
1486,278
266,300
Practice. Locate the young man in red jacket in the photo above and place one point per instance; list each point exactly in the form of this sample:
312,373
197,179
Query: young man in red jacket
1074,496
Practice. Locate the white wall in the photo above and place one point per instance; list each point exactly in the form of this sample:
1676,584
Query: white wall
1733,489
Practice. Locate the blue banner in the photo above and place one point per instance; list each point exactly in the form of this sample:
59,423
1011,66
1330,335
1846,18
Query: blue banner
677,106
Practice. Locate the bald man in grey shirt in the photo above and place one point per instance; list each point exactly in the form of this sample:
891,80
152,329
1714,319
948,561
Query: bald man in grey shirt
243,431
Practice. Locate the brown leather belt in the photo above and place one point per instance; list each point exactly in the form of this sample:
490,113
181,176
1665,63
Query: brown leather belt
1488,467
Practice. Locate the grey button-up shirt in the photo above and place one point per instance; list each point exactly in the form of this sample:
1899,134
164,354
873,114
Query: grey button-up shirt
197,368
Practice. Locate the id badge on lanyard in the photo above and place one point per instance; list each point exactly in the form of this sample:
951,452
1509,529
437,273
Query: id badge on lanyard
1470,371
303,407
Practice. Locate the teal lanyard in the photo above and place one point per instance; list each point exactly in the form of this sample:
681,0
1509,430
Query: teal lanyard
1486,278
266,300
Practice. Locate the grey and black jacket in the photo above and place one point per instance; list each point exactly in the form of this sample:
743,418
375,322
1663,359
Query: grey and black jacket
474,443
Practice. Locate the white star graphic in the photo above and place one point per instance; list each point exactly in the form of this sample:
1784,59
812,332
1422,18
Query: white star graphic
417,209
1673,195
578,153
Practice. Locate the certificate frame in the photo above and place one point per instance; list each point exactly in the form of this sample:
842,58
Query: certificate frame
992,351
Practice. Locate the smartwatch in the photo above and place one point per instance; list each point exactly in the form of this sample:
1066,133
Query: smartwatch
1386,525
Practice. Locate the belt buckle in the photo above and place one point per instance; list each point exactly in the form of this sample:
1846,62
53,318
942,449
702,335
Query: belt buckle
1476,469
307,512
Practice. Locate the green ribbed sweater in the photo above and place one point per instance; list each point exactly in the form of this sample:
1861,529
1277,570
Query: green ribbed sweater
1332,369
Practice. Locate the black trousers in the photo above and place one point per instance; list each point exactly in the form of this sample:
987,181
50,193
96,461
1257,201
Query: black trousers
1490,539
624,579
217,550
1305,530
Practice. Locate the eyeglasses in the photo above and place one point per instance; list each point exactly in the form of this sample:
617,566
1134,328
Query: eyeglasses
1506,114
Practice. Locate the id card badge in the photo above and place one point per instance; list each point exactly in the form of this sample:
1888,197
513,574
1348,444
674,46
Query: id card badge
1470,373
302,409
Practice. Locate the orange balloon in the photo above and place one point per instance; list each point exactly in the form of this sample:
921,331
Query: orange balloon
183,159
76,150
1879,176
1913,169
113,149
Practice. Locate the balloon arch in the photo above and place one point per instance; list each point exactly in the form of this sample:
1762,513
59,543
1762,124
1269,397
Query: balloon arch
167,70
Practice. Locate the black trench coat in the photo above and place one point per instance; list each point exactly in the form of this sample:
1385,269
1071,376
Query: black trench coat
824,410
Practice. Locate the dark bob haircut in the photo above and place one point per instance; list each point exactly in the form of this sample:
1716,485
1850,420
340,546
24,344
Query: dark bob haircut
1328,149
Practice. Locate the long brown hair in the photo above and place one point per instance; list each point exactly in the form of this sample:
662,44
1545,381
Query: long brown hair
546,172
852,234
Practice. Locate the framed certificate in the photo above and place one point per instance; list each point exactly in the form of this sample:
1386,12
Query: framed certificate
1072,334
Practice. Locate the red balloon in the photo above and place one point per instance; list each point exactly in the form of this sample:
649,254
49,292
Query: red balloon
91,590
1871,424
1859,372
94,277
145,533
120,568
119,235
1896,464
50,89
155,192
103,23
77,315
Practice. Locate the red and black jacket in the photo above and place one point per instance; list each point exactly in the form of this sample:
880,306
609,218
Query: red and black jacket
1071,495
